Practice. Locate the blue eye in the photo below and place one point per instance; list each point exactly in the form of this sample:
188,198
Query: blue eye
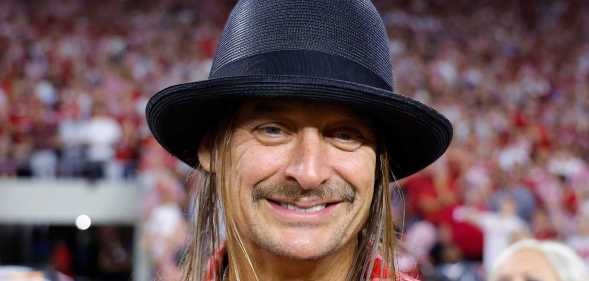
347,135
271,134
272,130
347,139
344,135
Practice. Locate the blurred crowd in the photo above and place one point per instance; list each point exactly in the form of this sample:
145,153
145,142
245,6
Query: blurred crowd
512,76
75,78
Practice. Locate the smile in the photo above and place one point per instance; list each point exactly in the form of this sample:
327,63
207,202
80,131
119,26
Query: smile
303,212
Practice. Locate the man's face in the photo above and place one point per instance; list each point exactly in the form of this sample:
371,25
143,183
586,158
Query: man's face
302,177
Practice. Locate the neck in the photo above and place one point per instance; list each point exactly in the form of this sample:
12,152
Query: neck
269,266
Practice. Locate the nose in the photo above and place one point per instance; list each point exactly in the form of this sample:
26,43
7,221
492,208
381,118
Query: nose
308,165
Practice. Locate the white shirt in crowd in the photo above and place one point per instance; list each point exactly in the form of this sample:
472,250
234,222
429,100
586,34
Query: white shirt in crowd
499,233
101,134
499,230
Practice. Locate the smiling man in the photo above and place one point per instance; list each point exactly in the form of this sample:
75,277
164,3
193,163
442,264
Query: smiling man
298,132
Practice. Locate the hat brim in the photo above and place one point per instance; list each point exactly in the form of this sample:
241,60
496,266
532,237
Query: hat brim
415,134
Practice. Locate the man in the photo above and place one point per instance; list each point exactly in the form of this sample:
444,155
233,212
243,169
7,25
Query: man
297,131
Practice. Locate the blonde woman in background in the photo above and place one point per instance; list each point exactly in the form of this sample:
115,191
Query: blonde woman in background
532,260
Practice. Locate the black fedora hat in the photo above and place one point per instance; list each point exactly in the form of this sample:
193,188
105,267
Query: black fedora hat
324,50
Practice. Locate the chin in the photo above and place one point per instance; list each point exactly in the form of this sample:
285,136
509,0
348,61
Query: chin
301,252
301,244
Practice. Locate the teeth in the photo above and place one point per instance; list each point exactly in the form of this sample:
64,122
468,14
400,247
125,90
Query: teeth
304,210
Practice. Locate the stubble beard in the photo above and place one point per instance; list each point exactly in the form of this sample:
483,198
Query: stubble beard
265,239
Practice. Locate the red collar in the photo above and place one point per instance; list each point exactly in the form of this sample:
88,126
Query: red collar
216,262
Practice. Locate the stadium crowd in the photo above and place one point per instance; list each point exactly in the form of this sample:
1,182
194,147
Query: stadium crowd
512,76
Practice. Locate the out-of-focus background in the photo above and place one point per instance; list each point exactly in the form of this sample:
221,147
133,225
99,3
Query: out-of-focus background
86,192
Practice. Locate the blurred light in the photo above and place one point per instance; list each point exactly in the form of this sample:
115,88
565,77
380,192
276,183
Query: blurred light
83,222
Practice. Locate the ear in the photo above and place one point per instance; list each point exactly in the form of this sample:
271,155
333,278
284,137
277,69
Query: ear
204,154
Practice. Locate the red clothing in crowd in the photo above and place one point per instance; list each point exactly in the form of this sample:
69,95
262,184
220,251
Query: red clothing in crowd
421,188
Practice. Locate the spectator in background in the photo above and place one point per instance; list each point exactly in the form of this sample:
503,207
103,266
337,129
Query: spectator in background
432,193
71,136
7,163
534,260
511,183
447,256
433,196
165,228
43,129
500,229
542,227
101,133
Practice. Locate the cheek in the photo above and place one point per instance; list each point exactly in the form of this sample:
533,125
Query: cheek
255,163
357,168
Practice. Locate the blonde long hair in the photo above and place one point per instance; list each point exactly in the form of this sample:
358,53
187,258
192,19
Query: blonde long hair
376,238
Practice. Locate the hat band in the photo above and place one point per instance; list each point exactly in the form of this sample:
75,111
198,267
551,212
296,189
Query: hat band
302,62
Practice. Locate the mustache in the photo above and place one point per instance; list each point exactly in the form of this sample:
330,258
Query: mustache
292,191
